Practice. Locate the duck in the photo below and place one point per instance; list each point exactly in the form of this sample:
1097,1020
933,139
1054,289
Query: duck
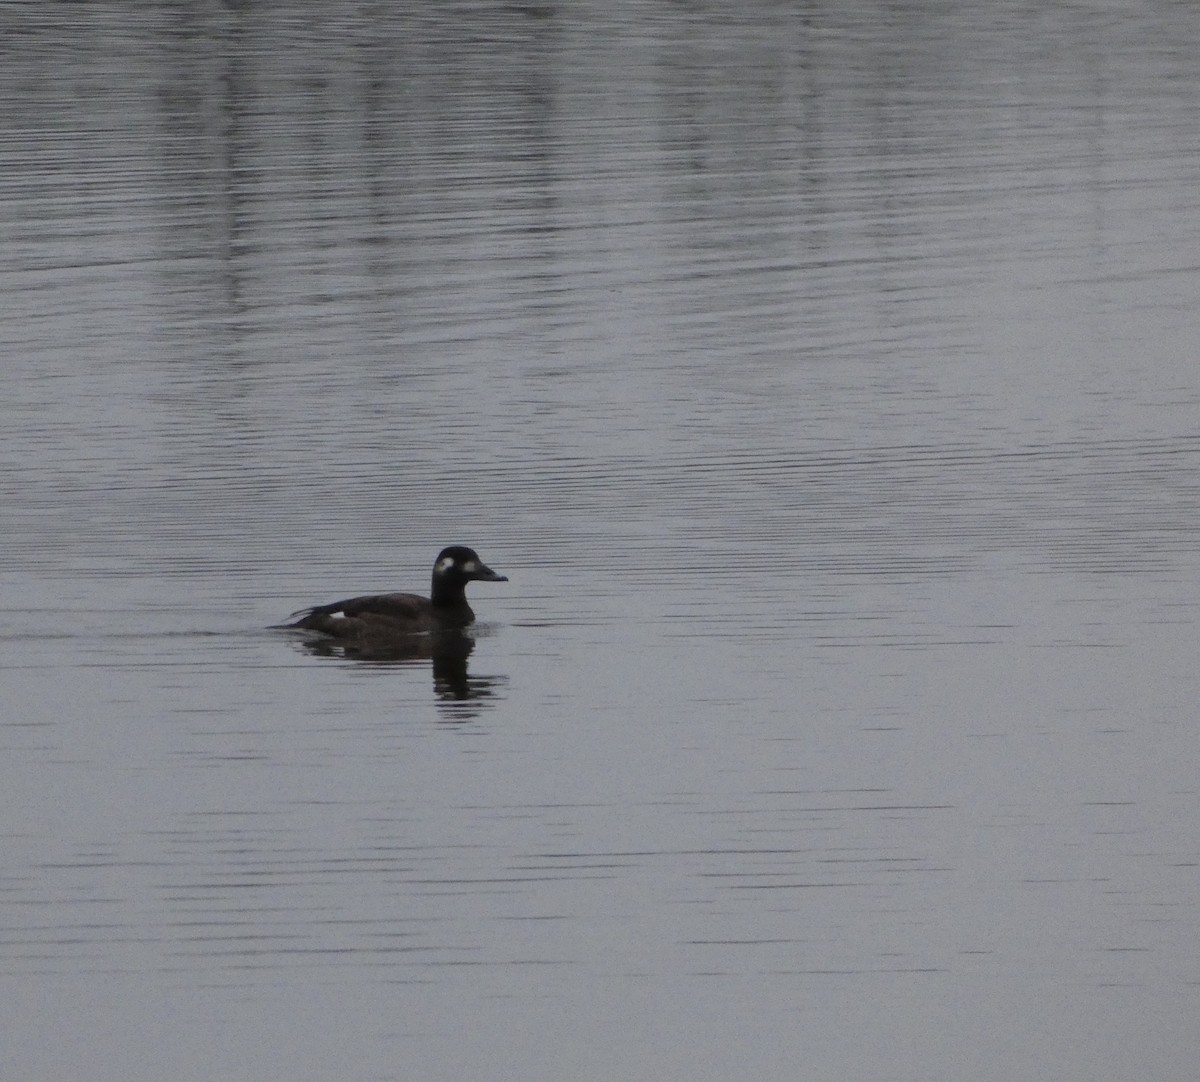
383,616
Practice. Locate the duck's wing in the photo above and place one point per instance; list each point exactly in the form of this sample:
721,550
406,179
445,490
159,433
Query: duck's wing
407,612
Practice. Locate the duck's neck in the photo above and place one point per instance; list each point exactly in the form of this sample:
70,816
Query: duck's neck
447,593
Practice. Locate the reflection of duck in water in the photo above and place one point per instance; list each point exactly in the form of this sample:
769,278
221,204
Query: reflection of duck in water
389,616
408,627
448,650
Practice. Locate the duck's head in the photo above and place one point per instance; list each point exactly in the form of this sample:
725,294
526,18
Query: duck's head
461,564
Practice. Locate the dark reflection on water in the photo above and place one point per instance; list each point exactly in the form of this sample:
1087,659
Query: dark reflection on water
823,376
444,652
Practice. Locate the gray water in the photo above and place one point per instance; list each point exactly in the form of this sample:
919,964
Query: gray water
823,378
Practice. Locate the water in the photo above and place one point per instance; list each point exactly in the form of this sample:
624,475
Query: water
823,381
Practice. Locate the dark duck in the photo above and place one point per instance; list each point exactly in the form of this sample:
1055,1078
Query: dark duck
384,616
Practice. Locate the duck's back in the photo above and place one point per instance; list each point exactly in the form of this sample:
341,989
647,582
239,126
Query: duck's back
396,614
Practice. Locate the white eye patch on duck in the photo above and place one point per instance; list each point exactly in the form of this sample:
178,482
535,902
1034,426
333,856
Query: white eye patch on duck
470,567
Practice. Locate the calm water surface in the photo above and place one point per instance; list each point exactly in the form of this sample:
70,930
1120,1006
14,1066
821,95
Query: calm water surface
823,380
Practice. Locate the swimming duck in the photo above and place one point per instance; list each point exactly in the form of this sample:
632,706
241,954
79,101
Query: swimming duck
391,615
